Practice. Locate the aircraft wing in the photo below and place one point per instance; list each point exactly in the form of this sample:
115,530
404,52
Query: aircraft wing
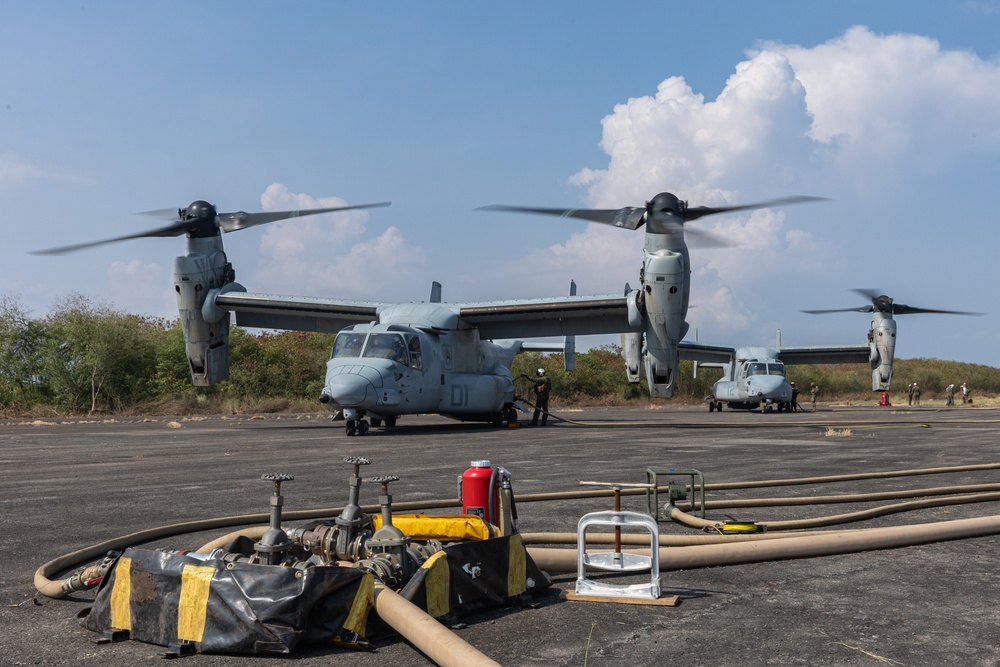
557,316
822,354
300,313
713,354
832,354
527,318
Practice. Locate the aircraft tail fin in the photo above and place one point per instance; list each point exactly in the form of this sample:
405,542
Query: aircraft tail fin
435,292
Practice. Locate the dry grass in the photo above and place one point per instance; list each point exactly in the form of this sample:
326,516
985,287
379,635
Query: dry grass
838,433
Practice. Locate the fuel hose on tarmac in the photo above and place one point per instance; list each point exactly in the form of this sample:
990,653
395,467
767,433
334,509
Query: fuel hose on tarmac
702,551
734,553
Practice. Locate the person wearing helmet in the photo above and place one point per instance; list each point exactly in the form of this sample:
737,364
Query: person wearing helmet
543,387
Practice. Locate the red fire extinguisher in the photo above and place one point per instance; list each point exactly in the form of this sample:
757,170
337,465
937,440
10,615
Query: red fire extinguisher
477,492
486,491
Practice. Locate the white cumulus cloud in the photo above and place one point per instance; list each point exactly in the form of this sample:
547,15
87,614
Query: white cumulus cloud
861,114
333,254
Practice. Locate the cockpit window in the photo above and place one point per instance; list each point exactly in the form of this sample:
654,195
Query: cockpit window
413,346
386,346
776,369
756,368
348,344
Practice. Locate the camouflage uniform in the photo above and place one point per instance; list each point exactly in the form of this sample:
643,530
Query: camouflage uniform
543,387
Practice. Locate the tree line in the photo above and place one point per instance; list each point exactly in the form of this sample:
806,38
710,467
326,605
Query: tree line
86,357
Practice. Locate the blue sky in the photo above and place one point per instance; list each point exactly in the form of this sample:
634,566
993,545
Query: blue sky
890,109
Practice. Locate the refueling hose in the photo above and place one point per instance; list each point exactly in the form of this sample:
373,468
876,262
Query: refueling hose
77,558
448,650
687,558
796,524
422,630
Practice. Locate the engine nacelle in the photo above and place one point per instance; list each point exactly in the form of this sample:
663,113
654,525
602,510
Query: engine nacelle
882,342
203,270
632,351
663,294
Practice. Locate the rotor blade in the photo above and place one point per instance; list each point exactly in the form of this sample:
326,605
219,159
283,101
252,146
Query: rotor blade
862,309
870,294
164,213
176,229
903,309
702,211
626,218
232,222
699,238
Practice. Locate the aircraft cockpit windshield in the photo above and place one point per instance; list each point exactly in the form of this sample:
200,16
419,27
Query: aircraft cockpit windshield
348,344
386,346
761,368
394,346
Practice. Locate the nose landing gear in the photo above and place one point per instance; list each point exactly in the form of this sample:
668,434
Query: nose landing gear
356,424
356,427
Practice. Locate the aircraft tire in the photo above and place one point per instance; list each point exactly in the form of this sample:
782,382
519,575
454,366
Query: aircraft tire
511,416
362,427
711,406
376,422
390,422
351,427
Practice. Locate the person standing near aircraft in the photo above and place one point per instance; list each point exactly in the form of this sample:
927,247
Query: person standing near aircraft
795,398
814,394
951,395
965,393
543,388
909,394
916,394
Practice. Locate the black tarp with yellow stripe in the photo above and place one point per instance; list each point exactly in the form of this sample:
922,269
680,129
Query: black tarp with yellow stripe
469,576
168,599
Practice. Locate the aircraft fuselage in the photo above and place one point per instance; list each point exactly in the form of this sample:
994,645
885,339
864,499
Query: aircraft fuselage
752,381
386,370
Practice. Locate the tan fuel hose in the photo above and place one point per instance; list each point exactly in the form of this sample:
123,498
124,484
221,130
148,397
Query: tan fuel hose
798,524
77,558
566,559
552,559
842,498
422,630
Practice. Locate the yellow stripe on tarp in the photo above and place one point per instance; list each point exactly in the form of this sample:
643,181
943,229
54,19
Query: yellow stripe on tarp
192,606
517,567
121,596
437,584
364,600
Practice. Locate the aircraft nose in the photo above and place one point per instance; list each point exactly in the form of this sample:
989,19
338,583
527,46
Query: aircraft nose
772,386
348,390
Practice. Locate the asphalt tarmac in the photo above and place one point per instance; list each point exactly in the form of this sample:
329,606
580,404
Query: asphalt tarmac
73,483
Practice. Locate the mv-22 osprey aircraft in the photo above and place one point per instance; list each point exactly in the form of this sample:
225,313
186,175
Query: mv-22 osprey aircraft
754,376
392,359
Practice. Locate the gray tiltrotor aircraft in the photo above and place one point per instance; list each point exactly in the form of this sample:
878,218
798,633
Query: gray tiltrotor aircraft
754,376
882,335
388,359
